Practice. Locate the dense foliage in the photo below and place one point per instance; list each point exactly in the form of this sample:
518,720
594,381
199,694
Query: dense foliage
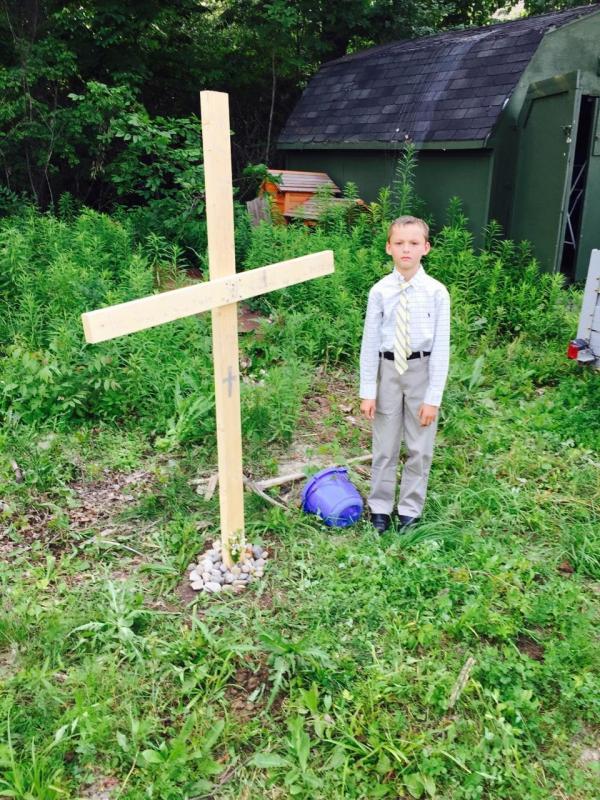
54,269
99,96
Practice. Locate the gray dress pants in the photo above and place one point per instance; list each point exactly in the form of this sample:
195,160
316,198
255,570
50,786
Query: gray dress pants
399,398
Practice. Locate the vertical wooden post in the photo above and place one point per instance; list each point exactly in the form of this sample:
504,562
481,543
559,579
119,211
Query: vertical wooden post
221,256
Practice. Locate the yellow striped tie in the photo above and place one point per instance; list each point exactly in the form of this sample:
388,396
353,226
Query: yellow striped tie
402,339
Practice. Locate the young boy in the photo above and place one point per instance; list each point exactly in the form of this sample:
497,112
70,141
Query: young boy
403,370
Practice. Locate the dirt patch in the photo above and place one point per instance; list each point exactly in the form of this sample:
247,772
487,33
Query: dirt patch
590,757
9,662
99,501
530,647
103,788
265,601
184,592
249,320
249,692
566,568
91,505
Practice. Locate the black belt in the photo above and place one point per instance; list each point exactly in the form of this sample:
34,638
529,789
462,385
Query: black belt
419,354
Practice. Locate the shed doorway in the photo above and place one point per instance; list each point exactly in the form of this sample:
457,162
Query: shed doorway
548,127
577,194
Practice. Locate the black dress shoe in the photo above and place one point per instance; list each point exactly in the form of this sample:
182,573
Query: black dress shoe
407,522
381,522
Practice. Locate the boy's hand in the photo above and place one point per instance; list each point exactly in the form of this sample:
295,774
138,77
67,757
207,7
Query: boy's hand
367,409
427,414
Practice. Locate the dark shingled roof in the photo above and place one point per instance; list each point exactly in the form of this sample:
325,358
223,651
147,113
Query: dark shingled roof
447,87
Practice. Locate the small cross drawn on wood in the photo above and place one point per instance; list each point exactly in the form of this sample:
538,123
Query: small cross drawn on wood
219,295
229,380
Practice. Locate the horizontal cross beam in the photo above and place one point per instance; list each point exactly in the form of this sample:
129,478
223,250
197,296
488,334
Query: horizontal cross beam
137,315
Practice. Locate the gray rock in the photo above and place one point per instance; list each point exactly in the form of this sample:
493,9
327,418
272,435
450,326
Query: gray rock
216,577
259,573
260,562
239,584
246,567
206,576
212,587
235,570
190,567
195,575
229,578
265,554
222,567
197,586
257,551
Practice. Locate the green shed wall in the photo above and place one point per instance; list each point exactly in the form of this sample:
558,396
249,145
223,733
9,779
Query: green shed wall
562,51
440,175
369,170
467,174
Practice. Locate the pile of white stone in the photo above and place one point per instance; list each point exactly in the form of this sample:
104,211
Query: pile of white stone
210,574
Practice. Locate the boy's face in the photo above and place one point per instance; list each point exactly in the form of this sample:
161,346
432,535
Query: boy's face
407,245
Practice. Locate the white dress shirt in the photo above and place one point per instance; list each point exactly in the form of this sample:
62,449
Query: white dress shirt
429,309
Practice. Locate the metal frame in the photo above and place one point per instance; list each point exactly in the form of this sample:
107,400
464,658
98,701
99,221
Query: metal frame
572,204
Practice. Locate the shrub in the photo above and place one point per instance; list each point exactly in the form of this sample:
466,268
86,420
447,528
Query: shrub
51,270
498,293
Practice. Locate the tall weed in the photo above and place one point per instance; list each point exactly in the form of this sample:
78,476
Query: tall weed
51,270
498,293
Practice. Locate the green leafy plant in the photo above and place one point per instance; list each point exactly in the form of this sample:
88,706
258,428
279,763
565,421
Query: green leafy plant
121,619
287,658
38,777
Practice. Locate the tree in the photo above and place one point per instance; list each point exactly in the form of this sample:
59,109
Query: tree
153,56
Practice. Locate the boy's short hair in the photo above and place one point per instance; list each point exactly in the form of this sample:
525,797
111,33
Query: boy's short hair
408,220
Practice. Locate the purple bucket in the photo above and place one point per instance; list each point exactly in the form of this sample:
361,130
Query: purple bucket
331,496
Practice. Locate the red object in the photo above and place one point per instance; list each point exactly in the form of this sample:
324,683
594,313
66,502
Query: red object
575,345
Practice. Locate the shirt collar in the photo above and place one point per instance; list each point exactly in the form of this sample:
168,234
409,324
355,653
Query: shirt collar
416,279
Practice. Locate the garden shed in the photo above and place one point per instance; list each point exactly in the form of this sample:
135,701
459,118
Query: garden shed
505,116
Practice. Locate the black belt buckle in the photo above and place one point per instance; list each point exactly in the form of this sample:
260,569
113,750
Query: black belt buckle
387,354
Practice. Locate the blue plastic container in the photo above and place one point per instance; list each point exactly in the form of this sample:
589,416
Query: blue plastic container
331,496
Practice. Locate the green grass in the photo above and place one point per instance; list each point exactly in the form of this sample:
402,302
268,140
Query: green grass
332,678
355,642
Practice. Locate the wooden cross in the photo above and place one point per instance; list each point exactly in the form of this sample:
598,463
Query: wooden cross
220,295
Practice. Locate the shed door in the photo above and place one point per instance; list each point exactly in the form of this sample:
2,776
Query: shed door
589,233
547,136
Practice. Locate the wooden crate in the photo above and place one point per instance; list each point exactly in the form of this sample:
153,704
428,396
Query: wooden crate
296,188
